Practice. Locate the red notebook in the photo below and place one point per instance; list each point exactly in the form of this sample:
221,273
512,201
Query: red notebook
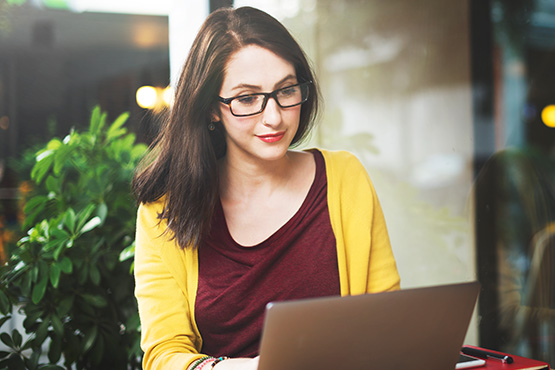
519,363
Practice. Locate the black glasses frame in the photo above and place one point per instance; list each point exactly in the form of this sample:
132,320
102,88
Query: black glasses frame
273,94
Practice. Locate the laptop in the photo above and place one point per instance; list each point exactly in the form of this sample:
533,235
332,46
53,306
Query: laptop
416,329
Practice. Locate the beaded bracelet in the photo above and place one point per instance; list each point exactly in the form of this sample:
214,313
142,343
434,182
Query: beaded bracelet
199,361
205,362
218,360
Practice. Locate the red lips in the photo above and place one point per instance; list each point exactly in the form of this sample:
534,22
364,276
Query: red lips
272,138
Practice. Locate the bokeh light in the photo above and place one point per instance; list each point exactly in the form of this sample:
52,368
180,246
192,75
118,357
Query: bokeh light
168,96
147,97
548,115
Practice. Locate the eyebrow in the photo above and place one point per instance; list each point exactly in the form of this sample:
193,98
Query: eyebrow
255,87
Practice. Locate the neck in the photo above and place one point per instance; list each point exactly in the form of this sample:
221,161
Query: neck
244,178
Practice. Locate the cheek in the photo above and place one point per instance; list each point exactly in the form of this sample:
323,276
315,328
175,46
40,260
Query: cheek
227,119
236,124
294,114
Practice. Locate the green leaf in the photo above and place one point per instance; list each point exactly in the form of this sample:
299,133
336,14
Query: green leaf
70,219
102,211
110,261
26,284
101,123
115,130
53,144
55,350
82,274
43,154
57,325
7,340
53,184
133,323
33,361
38,201
59,249
55,272
39,290
61,158
17,338
91,224
31,318
96,247
94,300
28,344
34,273
5,306
42,166
59,233
65,305
90,337
66,265
138,151
95,120
127,253
97,352
51,245
15,362
41,333
94,274
44,269
84,215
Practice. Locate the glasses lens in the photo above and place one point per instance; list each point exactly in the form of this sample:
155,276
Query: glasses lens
248,104
292,95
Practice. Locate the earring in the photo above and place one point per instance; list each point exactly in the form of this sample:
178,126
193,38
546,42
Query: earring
211,126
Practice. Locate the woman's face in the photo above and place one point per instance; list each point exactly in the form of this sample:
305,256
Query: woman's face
267,135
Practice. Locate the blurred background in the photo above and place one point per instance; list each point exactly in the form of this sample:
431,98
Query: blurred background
450,106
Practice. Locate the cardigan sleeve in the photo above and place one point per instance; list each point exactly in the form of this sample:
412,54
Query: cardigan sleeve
365,258
168,336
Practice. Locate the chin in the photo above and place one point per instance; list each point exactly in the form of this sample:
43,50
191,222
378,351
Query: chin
272,152
273,155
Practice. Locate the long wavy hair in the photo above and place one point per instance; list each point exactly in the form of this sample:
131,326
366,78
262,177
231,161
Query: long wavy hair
182,163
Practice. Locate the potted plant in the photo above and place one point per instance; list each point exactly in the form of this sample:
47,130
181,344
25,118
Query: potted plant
70,276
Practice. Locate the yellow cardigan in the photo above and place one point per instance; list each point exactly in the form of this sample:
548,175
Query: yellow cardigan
166,277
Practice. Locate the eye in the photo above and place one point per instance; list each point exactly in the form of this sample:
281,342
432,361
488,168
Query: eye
288,91
247,99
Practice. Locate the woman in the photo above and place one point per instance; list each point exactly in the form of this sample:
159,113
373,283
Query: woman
231,218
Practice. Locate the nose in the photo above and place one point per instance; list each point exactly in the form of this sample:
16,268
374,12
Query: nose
272,113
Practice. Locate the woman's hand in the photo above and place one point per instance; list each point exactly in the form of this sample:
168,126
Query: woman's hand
238,364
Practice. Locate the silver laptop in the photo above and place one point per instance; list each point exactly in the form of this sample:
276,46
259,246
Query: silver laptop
421,328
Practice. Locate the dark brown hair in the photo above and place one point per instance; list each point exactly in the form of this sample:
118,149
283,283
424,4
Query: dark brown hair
182,163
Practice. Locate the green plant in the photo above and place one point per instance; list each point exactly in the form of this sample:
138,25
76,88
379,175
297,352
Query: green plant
70,275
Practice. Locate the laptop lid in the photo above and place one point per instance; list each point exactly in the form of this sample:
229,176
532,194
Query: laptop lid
420,328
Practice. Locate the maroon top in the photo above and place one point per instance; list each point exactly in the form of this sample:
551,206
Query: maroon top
235,282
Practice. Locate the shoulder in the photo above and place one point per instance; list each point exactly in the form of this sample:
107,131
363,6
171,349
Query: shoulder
150,226
148,212
341,162
347,177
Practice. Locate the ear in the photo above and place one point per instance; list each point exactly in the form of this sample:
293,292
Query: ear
215,116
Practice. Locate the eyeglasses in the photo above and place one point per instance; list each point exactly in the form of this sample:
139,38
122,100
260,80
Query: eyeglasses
251,104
